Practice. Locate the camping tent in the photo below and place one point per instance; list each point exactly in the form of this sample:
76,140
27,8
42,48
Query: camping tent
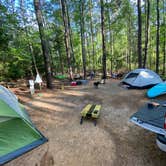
17,133
38,79
141,78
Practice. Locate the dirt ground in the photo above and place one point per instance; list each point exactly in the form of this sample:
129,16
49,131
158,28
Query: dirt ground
115,141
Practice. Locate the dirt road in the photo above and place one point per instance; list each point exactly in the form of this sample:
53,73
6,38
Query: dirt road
113,142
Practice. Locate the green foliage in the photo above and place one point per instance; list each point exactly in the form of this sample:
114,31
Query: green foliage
18,32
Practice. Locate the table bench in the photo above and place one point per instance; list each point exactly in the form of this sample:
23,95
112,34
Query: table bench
90,111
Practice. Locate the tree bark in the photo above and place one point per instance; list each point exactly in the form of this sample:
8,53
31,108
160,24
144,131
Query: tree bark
70,36
164,43
92,35
82,28
88,50
164,54
103,39
150,48
43,43
157,37
129,39
139,34
67,37
110,37
146,31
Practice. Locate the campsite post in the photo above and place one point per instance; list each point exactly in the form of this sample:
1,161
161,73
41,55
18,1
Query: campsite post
31,86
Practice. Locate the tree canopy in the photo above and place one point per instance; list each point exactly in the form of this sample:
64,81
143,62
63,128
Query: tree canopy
72,35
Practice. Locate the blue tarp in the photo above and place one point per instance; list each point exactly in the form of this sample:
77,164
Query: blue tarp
157,90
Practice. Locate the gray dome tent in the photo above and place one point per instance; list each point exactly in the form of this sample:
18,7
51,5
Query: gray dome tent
17,132
141,78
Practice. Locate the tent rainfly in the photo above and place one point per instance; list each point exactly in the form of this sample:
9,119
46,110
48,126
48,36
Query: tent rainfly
141,78
17,133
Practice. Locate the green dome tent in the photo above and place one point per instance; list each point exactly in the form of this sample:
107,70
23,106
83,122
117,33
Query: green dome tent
17,133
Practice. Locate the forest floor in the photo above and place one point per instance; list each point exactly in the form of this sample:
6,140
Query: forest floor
114,141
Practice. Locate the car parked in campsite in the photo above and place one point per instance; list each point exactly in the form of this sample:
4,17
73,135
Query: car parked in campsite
161,142
152,116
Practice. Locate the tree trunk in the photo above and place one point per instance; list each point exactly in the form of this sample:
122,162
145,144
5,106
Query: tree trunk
67,37
150,48
157,37
88,52
146,32
164,43
70,36
129,39
103,39
164,54
130,59
112,49
92,35
43,43
110,37
33,57
82,28
139,34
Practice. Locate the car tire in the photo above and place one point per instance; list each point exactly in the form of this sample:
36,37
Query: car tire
161,142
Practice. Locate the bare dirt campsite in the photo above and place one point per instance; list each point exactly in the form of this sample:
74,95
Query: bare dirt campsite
114,141
55,56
